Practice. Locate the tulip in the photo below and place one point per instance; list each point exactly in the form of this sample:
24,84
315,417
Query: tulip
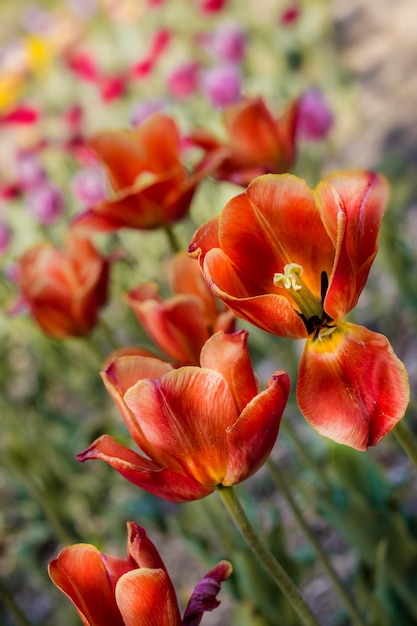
198,428
151,186
181,324
293,261
127,592
258,143
63,288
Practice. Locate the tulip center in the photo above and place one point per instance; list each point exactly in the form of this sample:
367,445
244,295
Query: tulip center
310,306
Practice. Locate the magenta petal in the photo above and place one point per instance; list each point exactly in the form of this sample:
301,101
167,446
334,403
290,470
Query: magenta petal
351,386
204,595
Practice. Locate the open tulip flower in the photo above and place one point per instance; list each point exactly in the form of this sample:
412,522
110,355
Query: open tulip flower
113,591
293,261
257,142
151,186
198,427
181,324
63,289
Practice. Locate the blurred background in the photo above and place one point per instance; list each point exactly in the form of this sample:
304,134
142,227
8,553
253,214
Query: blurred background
71,68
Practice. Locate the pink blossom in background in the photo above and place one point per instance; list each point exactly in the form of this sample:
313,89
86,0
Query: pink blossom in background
21,115
184,80
89,185
315,119
5,237
221,85
145,108
212,6
290,15
45,203
227,43
30,171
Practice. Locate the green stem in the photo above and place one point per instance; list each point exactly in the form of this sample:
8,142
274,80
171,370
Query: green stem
304,454
9,601
277,573
407,440
333,575
173,241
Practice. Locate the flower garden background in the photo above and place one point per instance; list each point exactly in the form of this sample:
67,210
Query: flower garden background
197,252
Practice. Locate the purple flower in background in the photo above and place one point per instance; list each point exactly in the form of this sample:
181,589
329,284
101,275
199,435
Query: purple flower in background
45,203
5,237
315,119
221,85
30,171
89,185
183,81
145,108
227,43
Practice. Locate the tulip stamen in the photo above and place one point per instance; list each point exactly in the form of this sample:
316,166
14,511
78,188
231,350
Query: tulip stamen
290,279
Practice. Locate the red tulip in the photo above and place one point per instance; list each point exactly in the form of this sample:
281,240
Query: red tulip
293,261
180,325
63,288
151,186
258,143
198,427
127,592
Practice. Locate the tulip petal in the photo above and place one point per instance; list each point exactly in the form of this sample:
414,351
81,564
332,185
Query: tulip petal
121,374
204,595
184,417
161,482
141,550
270,312
176,325
146,597
351,206
79,571
253,436
228,355
351,386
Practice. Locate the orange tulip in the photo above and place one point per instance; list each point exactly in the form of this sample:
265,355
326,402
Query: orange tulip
63,288
198,427
108,590
293,261
257,142
151,186
180,325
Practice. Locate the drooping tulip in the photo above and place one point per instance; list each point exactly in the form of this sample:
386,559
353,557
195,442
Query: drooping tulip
293,261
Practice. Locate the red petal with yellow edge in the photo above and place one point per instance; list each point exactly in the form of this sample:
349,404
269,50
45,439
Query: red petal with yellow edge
228,355
271,312
146,597
351,386
351,205
184,417
253,436
79,571
161,482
